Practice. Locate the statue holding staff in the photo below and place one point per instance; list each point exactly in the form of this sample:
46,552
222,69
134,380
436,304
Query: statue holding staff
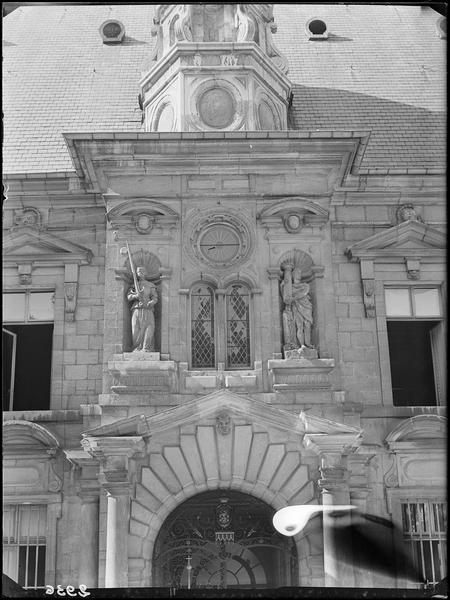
143,295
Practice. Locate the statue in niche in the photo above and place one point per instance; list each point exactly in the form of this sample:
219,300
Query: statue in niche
297,313
143,295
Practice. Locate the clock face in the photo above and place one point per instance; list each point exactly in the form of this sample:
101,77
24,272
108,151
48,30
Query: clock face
219,244
219,239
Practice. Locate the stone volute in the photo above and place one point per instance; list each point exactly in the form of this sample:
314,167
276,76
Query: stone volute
215,68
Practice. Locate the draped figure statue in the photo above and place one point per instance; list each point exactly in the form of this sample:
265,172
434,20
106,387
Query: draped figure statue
142,312
297,313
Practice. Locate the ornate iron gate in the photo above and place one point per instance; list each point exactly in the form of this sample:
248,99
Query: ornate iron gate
223,539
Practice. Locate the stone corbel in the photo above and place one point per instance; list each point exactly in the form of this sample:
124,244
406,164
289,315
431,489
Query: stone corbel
70,291
412,268
368,285
25,273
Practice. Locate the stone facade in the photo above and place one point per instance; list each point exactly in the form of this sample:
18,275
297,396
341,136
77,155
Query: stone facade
219,190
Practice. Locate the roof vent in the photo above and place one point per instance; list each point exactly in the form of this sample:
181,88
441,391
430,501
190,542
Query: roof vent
441,28
112,31
317,29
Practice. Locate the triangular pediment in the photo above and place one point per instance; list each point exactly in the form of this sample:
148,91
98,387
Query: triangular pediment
409,238
29,243
221,401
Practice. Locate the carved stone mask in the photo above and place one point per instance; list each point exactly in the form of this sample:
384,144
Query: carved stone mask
223,423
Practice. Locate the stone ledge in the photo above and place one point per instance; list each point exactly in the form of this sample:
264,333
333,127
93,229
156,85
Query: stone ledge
139,372
300,374
42,415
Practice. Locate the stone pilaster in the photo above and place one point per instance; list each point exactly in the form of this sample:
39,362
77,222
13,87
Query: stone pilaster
114,454
88,571
88,492
333,450
274,274
165,274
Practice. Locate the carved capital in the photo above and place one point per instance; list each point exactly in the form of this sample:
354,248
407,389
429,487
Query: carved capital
114,454
333,478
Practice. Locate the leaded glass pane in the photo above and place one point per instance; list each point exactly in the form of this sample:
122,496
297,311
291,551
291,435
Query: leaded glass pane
238,327
202,322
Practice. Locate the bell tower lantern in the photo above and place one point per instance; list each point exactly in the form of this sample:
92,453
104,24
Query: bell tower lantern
215,68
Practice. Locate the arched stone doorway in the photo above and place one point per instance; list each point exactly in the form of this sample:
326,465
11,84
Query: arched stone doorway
223,539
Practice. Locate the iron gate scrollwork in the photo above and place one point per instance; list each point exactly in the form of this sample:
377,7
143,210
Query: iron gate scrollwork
223,539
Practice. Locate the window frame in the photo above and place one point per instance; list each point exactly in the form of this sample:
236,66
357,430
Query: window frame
27,293
383,339
30,323
52,502
413,316
398,496
17,510
221,325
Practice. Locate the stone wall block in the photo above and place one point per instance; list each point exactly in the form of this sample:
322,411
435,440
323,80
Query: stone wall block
191,452
175,459
141,514
305,495
288,466
242,443
144,497
272,459
207,445
296,482
159,465
154,485
224,447
258,449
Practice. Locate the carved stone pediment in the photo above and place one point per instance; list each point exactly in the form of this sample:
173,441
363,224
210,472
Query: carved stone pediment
410,242
28,247
143,215
408,239
418,445
293,214
218,403
29,244
30,462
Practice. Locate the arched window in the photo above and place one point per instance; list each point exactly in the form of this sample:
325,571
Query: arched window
220,326
202,326
238,326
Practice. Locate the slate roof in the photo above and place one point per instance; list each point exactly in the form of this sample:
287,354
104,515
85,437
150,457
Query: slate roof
382,69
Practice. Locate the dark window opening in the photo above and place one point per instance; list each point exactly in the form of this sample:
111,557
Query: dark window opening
26,366
317,27
411,357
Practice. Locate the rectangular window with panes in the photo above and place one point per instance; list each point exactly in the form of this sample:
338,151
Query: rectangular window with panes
24,544
27,349
425,531
416,340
